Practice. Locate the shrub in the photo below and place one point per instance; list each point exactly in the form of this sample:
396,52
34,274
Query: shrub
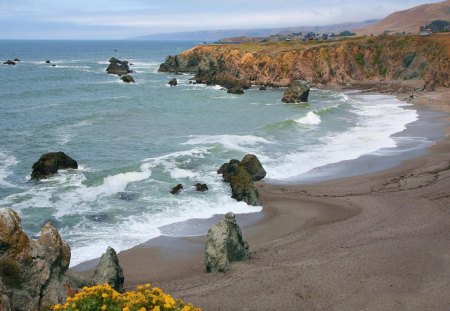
104,297
359,59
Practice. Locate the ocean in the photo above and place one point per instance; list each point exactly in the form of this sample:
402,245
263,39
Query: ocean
134,142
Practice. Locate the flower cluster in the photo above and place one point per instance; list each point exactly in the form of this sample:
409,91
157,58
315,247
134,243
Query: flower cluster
104,297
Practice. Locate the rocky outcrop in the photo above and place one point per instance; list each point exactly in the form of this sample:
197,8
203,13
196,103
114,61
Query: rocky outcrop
109,271
224,244
49,164
173,82
9,62
297,92
118,67
335,62
235,90
201,187
32,272
127,79
241,175
176,189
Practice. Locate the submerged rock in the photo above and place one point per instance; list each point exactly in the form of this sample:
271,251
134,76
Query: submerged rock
127,196
47,61
9,62
109,270
176,189
118,67
297,92
49,164
16,59
127,79
262,88
201,187
235,90
173,82
224,244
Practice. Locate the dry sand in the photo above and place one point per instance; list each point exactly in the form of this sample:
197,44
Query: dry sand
373,242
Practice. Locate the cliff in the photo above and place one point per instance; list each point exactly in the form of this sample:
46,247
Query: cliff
372,59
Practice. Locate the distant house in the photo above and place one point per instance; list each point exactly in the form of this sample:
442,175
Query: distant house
425,33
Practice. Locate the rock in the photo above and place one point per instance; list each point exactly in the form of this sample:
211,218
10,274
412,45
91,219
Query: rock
201,187
32,272
49,164
241,175
53,65
118,67
297,92
47,61
262,88
16,59
252,165
109,271
9,62
127,79
235,90
173,82
176,189
224,244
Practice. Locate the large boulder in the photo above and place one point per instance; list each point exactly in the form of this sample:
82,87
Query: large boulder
297,92
49,164
118,67
173,82
241,175
224,244
32,272
109,271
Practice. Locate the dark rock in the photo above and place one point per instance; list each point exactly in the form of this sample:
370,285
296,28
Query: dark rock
9,62
228,169
109,271
53,65
118,67
127,79
16,59
224,244
176,189
173,82
252,165
297,92
32,272
242,187
262,88
235,90
49,164
201,187
47,61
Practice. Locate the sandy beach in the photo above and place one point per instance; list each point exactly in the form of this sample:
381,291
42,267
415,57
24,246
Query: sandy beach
371,242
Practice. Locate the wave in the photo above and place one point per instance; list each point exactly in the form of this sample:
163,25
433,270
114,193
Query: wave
311,118
231,142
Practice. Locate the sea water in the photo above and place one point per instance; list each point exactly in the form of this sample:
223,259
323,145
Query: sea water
134,142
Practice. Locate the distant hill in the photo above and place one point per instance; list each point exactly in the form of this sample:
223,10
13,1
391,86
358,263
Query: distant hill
409,20
215,35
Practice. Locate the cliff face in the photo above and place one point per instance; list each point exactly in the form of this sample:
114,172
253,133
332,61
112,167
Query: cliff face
338,62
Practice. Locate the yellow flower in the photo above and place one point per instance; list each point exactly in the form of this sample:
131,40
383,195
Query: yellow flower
57,307
104,307
74,305
104,295
126,309
142,309
148,285
156,308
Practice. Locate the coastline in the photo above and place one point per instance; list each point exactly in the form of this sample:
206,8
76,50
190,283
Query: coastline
346,243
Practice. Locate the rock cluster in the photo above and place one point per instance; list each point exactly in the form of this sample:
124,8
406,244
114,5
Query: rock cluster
241,175
118,67
224,244
49,164
34,272
297,92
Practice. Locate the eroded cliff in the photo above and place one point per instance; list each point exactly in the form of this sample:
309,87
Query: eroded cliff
338,62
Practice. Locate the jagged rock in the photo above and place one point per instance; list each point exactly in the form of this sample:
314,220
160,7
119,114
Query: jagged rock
297,92
252,165
127,79
32,272
201,187
224,244
118,67
176,189
235,90
47,61
240,175
16,59
109,271
9,62
49,164
173,82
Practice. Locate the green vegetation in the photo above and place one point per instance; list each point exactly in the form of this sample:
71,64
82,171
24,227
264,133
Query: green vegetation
347,33
437,26
359,58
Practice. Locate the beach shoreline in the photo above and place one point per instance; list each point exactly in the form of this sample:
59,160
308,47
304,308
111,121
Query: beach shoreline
288,267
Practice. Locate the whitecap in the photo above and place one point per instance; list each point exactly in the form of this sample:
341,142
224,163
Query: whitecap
311,118
6,163
232,142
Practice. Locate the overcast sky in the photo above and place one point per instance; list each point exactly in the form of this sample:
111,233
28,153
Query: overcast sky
114,19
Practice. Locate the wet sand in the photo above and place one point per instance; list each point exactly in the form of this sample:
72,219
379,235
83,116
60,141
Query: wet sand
379,241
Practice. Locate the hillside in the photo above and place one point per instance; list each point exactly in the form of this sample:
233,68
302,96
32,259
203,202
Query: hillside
422,59
409,20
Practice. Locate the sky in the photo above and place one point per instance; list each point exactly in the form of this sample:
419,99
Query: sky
114,19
